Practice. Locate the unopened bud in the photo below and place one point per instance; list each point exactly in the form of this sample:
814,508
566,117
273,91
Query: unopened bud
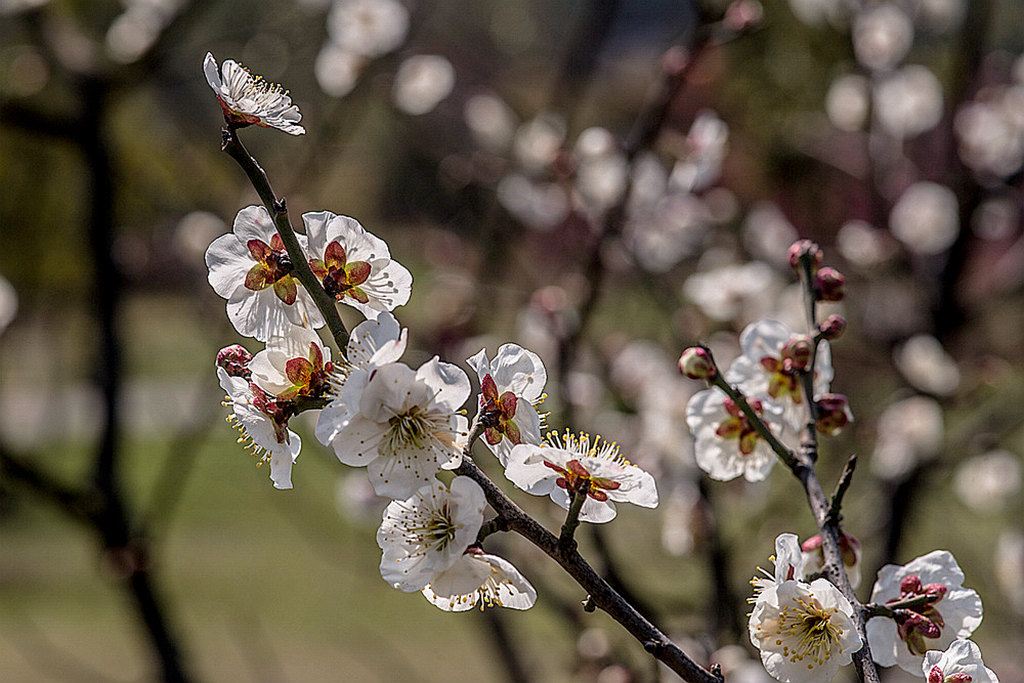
959,678
805,249
829,285
910,585
833,413
742,15
234,359
696,363
935,675
935,589
832,327
798,349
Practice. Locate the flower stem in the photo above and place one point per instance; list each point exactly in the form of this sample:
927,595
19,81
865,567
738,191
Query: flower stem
278,210
786,455
572,519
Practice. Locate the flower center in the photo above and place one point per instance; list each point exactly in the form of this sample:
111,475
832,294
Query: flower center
811,633
433,529
736,426
936,676
341,277
273,268
497,413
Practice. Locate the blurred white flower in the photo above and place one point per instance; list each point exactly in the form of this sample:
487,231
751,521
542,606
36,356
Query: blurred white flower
701,164
882,37
337,69
926,218
194,233
678,520
491,122
135,30
537,205
909,431
990,133
422,82
846,102
662,235
985,482
909,101
815,12
941,16
927,366
767,233
862,244
8,304
1009,567
738,292
601,171
995,219
538,141
369,28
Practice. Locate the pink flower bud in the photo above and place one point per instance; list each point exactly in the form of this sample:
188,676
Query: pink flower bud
936,589
697,363
833,413
798,349
910,585
805,249
811,544
832,327
234,360
935,675
829,284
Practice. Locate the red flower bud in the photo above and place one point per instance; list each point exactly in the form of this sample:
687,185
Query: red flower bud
234,359
829,284
798,349
936,589
910,585
805,249
696,363
935,675
832,327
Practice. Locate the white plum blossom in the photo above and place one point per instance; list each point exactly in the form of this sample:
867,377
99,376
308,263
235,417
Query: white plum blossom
354,265
769,368
294,364
960,663
337,69
263,425
727,445
510,386
949,611
571,463
247,99
371,345
427,533
405,427
985,483
477,578
252,270
909,101
804,631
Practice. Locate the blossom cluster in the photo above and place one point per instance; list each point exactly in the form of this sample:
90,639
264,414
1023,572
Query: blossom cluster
405,425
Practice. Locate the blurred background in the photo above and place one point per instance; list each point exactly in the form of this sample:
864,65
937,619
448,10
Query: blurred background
604,182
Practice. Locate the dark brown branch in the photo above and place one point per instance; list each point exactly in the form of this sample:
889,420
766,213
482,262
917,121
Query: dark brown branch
599,592
279,214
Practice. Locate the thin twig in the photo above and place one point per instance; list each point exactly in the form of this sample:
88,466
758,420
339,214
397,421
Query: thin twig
278,211
845,479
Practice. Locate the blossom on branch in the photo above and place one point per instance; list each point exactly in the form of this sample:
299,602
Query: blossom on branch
477,578
804,631
372,344
427,533
263,424
510,386
727,444
770,365
940,610
355,266
405,428
252,270
960,663
571,463
294,364
247,99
